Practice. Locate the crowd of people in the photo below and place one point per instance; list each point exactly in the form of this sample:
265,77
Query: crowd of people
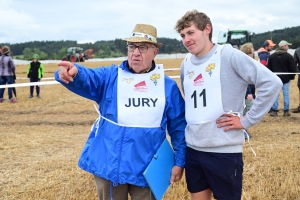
226,92
35,72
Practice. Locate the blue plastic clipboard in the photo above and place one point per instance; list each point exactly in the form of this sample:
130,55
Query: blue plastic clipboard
158,172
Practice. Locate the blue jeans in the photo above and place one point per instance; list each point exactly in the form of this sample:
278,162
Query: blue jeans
286,97
3,81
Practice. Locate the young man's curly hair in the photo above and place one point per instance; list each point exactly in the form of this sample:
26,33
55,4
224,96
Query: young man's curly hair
194,17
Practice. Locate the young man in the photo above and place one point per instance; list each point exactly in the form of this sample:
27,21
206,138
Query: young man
282,61
264,52
297,60
138,104
214,79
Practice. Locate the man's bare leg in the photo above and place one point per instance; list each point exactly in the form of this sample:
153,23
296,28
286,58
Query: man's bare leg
203,195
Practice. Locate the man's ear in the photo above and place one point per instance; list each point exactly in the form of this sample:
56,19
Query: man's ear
157,50
208,29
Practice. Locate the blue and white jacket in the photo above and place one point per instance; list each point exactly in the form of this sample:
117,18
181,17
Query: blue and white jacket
117,153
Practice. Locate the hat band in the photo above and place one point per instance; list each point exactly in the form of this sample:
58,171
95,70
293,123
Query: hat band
143,35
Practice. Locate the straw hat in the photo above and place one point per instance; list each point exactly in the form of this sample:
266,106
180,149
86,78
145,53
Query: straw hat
144,33
5,50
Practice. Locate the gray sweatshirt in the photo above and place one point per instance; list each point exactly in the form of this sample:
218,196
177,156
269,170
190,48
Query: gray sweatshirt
237,71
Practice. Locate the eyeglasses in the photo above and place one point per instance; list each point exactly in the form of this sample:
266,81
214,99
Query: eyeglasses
142,48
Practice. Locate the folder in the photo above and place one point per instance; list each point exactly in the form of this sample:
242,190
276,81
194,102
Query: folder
158,172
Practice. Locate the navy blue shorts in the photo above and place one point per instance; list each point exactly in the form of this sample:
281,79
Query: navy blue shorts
222,173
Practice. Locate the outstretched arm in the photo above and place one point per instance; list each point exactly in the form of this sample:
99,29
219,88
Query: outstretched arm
67,71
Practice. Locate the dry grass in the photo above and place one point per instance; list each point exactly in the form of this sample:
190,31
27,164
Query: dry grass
41,141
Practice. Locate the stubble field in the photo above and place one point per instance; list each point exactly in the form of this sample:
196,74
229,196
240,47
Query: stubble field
41,141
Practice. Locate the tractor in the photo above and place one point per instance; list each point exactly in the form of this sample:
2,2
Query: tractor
76,54
235,37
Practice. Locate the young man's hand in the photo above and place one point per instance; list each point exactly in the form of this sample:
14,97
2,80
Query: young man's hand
230,122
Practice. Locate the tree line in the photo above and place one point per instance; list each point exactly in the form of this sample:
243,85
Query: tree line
56,50
292,35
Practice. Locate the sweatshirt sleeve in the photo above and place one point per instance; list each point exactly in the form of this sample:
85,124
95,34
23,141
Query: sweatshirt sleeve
267,84
42,69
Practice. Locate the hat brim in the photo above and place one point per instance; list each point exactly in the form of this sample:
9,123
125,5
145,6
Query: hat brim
140,39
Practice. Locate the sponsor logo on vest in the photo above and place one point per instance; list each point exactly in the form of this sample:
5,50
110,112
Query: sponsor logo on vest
128,80
190,74
141,87
209,68
154,78
141,102
198,81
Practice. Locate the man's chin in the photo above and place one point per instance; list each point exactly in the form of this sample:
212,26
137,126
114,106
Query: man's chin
136,68
191,50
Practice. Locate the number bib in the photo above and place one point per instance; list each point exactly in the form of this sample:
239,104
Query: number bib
202,89
141,98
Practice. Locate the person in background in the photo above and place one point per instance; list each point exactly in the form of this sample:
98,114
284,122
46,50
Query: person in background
297,60
248,49
214,79
264,52
138,104
1,55
35,72
250,93
282,61
7,71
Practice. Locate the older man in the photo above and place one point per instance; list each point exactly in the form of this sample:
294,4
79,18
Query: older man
137,103
282,61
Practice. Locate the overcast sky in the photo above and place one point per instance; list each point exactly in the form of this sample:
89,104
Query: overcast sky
95,20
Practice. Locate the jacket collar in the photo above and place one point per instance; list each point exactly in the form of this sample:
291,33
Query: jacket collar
125,66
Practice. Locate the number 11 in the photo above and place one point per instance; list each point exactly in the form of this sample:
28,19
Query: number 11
194,95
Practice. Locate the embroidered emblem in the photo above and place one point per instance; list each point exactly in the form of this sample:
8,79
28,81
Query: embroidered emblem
128,80
209,68
154,78
190,74
141,87
198,81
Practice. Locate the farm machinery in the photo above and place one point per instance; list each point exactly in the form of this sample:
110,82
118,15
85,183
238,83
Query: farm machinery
235,37
76,54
